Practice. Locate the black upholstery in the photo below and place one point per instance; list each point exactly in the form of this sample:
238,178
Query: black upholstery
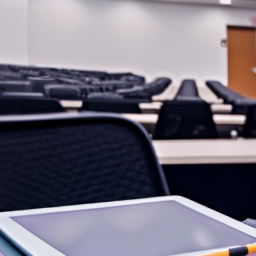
181,119
30,95
57,160
115,84
113,103
38,83
223,92
242,106
249,130
102,95
15,86
148,90
129,77
240,103
134,79
100,91
67,80
62,91
188,89
13,104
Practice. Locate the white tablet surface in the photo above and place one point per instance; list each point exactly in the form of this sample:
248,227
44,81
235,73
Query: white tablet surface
150,227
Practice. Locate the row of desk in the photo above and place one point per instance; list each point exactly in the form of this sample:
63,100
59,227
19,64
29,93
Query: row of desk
218,173
215,151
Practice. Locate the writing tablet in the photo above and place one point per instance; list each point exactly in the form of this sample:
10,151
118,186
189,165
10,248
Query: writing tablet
146,227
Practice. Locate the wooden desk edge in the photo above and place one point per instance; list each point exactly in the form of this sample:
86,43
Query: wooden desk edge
207,160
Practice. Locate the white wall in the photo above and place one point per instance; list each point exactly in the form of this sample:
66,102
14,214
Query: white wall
13,31
151,38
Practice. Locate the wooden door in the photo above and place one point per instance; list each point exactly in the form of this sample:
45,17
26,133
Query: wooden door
241,60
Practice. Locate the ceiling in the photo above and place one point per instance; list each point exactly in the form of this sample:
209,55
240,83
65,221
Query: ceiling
235,3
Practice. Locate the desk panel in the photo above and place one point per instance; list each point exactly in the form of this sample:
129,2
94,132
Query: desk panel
226,188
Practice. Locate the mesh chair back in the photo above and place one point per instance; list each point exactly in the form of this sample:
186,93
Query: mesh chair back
75,159
62,91
183,119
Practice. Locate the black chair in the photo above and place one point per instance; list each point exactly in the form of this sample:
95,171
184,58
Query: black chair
60,159
27,103
185,119
38,83
240,103
146,91
129,77
249,130
115,84
111,102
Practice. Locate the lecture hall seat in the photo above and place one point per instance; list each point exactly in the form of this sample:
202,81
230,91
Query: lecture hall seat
185,119
12,103
59,159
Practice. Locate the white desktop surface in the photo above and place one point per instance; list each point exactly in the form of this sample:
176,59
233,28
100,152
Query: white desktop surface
168,94
217,118
142,118
229,119
215,151
151,107
71,103
221,108
207,95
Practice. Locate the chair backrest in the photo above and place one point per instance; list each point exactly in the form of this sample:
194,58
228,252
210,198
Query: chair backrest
113,104
62,91
249,130
126,77
216,87
240,103
17,104
181,119
115,84
148,90
61,159
38,83
188,89
15,86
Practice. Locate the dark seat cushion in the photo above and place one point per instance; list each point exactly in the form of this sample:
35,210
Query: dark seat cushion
240,103
62,91
26,95
115,105
188,89
190,119
15,86
28,105
104,95
249,130
38,83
